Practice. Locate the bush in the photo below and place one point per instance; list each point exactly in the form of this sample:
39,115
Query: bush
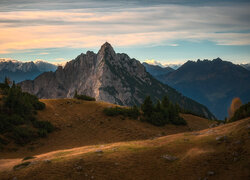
42,133
3,141
23,135
28,157
43,125
83,97
17,120
22,165
5,125
131,112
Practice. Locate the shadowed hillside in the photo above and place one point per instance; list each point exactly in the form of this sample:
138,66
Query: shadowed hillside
80,123
89,145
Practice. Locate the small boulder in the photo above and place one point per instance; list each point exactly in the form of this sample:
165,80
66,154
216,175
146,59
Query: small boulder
79,168
210,173
47,161
222,139
213,125
169,157
99,151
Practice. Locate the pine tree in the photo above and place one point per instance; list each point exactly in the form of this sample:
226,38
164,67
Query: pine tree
165,102
147,106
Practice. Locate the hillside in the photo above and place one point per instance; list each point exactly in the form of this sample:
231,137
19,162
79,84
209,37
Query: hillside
107,76
81,123
88,145
212,83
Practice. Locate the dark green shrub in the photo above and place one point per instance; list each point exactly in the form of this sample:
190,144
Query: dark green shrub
86,98
42,133
3,141
83,97
5,125
17,120
23,135
22,165
43,125
28,157
131,112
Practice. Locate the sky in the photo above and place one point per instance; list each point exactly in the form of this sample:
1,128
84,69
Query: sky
166,31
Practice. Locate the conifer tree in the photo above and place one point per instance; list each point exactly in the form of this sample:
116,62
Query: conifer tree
147,106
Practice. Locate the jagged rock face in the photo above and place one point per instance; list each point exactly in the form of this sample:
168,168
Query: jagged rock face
107,76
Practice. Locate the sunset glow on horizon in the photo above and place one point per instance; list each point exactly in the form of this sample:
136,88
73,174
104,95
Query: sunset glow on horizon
162,30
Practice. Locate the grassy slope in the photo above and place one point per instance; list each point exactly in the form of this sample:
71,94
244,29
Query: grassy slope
82,123
82,133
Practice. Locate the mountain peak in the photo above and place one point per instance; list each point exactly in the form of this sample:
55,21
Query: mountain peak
217,59
106,51
106,46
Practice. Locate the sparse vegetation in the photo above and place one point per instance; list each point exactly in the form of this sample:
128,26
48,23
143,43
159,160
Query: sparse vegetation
28,157
22,165
131,112
242,112
17,120
83,97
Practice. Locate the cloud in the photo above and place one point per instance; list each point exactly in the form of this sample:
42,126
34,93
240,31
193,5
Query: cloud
43,53
154,62
90,26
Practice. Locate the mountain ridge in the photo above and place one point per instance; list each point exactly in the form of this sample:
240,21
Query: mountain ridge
213,83
107,76
19,71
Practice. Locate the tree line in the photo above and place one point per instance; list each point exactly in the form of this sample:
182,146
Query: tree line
159,114
17,115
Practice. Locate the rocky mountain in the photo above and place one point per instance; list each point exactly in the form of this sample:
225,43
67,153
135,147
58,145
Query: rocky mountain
157,71
20,71
107,76
212,83
246,66
44,66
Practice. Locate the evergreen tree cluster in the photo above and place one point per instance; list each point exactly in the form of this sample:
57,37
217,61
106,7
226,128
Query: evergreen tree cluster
242,112
83,97
164,112
131,112
17,115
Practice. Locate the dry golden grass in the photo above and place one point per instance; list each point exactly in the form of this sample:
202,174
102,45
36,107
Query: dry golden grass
80,123
130,149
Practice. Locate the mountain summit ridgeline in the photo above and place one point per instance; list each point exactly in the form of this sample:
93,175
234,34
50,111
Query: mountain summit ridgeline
107,76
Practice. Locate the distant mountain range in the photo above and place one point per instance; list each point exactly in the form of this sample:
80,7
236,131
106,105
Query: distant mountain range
110,77
156,70
163,65
246,66
212,83
20,71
